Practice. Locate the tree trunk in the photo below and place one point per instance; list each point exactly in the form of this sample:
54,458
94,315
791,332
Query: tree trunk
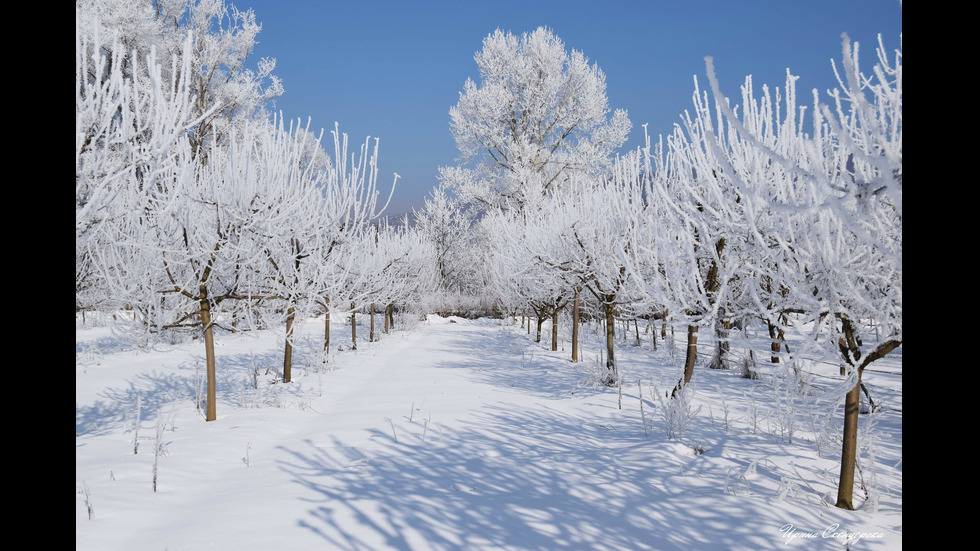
612,376
353,328
850,350
692,355
692,352
212,410
720,359
326,327
371,334
652,327
387,317
287,361
575,327
537,337
776,345
554,330
848,459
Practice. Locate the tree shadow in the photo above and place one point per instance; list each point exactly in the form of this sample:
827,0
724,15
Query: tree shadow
152,391
536,480
157,392
501,358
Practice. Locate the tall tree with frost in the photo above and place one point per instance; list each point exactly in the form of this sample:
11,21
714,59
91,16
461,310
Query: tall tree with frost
186,219
538,115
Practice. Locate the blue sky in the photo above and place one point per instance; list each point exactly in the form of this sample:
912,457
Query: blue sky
392,69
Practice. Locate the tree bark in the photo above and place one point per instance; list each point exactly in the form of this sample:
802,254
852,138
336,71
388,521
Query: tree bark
326,327
212,410
776,345
554,330
575,327
851,352
353,328
287,361
692,355
720,359
612,376
371,334
848,459
692,352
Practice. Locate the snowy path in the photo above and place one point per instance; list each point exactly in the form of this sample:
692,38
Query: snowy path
490,459
451,436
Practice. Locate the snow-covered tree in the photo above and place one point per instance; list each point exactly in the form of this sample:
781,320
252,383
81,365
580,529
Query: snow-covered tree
447,223
538,115
402,264
191,206
519,279
819,213
291,217
574,242
145,72
226,87
224,83
351,195
695,220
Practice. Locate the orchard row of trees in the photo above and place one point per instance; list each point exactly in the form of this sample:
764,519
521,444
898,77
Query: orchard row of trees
750,211
197,209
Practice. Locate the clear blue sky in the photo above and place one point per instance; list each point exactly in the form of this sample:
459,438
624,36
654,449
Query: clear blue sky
392,69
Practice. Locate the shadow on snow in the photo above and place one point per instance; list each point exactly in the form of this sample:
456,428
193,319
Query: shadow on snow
536,480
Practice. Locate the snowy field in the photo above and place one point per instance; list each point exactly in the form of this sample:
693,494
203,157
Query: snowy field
457,434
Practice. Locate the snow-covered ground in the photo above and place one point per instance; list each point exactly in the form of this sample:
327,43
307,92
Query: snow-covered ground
457,434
